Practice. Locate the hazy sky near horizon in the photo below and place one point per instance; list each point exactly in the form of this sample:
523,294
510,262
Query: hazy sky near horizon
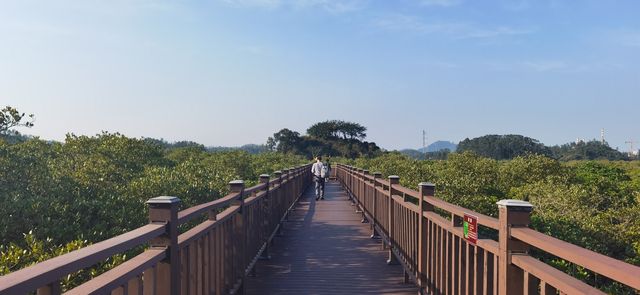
231,72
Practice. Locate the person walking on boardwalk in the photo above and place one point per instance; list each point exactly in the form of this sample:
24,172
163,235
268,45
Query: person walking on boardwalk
317,171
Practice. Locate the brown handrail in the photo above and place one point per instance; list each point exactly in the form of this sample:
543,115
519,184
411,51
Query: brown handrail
24,280
447,262
485,220
195,211
621,271
563,281
121,274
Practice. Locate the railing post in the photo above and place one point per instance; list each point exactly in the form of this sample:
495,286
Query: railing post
351,193
376,177
165,210
427,190
50,289
393,180
279,207
294,177
359,187
364,196
513,213
286,191
354,186
240,239
264,178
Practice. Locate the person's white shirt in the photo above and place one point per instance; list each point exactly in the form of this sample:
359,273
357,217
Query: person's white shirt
316,168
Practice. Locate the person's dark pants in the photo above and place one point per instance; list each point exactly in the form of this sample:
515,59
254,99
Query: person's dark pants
319,187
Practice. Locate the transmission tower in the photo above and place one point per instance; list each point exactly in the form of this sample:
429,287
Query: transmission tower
424,141
631,143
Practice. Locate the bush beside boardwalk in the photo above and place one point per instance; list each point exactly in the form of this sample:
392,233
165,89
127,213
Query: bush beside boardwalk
59,197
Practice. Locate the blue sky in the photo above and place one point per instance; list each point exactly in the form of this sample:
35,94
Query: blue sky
230,72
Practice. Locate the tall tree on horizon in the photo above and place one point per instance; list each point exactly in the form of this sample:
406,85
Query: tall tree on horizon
10,117
333,129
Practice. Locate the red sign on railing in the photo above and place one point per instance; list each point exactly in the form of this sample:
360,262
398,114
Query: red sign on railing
470,228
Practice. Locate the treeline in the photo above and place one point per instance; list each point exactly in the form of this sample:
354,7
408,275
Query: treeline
57,197
330,138
593,204
504,147
249,148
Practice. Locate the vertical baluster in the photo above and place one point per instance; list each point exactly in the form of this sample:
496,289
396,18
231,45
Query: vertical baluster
479,269
455,243
277,201
374,212
447,262
488,273
212,261
264,178
184,270
531,284
193,267
134,286
470,268
149,281
364,197
393,180
456,222
462,266
546,289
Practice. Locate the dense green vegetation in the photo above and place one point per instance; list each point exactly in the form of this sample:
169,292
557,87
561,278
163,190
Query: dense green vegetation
592,204
330,138
504,147
590,150
57,197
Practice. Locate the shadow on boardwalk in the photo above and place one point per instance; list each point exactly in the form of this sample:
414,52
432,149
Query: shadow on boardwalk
326,250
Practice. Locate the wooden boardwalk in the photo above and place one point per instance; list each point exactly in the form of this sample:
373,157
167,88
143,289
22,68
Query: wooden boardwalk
325,249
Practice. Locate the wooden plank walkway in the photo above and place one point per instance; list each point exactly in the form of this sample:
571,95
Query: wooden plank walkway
326,250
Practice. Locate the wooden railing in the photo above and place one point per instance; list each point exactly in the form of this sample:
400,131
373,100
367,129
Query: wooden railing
435,254
211,258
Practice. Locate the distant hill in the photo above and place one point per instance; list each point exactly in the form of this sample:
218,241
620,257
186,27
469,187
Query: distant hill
504,147
439,146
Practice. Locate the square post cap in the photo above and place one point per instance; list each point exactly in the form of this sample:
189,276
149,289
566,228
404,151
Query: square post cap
236,185
366,172
277,172
394,177
426,184
377,174
265,175
515,205
163,200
